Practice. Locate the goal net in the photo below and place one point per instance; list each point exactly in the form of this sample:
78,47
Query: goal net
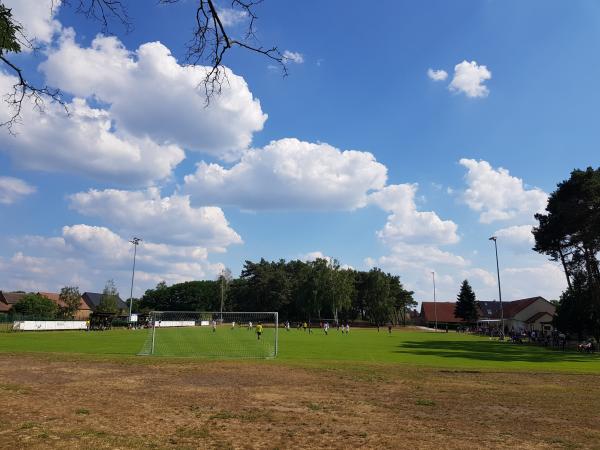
212,334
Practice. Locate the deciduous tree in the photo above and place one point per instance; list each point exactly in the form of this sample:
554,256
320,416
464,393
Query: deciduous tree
71,298
36,306
109,300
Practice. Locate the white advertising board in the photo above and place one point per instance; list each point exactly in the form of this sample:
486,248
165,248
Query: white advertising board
174,323
48,325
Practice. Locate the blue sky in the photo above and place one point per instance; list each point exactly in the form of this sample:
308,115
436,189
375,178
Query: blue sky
358,154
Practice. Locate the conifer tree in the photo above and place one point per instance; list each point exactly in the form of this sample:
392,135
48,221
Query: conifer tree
466,304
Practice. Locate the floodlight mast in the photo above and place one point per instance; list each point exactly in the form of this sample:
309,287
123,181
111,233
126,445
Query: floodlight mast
222,292
135,241
494,238
434,301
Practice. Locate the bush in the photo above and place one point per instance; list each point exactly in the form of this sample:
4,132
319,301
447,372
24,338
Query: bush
36,305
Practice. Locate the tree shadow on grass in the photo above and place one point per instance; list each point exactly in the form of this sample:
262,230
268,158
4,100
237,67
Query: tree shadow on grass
492,351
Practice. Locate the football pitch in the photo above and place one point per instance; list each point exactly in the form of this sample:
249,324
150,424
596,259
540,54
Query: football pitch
451,350
367,389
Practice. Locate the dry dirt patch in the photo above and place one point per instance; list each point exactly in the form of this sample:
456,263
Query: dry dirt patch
187,404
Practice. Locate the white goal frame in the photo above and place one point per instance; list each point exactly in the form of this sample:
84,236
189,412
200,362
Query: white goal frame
212,320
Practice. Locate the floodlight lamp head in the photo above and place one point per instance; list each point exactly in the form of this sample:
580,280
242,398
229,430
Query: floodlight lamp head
493,238
135,240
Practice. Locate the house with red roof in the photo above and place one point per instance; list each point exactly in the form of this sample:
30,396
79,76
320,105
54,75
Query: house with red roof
534,313
9,299
83,311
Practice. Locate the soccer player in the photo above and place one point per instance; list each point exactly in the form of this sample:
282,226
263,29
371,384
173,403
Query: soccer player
250,325
304,326
233,325
259,330
326,328
214,325
287,325
390,327
347,328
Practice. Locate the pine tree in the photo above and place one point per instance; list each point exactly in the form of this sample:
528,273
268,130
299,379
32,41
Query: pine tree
466,304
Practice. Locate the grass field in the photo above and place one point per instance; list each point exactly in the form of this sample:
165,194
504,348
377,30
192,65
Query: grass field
410,389
451,350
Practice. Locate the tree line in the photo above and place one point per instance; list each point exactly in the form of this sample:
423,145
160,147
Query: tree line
298,290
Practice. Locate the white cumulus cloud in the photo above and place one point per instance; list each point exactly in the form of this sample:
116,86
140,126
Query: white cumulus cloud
313,256
37,19
480,277
290,174
413,239
469,78
518,237
295,57
84,143
546,280
406,223
13,189
497,195
150,95
404,257
231,16
89,255
437,75
147,214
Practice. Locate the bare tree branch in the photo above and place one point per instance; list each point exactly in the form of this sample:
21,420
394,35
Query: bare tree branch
23,90
14,39
211,41
208,46
105,11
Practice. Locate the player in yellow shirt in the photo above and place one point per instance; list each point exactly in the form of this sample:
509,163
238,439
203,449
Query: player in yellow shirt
259,330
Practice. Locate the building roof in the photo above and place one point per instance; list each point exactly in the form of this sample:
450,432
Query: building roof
538,316
487,310
512,308
56,299
11,298
491,310
93,300
444,311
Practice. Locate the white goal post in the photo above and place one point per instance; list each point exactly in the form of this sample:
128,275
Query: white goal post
212,334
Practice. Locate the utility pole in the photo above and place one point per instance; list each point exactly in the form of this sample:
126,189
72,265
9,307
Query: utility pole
434,301
135,241
494,238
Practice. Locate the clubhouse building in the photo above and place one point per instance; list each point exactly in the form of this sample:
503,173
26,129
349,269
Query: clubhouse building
534,313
